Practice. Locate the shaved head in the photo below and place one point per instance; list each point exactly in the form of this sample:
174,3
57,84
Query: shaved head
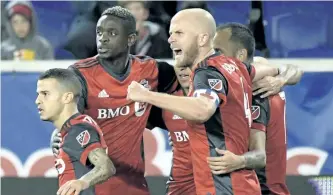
191,35
200,20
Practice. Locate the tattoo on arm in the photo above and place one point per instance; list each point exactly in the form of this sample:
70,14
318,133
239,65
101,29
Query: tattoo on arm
255,159
103,167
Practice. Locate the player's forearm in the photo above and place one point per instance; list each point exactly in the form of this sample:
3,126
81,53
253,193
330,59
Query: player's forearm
253,159
262,70
103,168
196,109
291,74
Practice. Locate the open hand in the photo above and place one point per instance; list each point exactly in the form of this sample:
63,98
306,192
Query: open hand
226,163
268,86
73,187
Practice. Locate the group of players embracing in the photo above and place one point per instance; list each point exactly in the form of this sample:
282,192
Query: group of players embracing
223,107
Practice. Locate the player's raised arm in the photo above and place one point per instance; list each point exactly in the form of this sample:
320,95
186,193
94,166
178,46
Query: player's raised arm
260,70
288,75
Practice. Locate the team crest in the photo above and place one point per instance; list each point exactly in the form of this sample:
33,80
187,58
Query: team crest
215,84
145,83
139,108
255,110
83,138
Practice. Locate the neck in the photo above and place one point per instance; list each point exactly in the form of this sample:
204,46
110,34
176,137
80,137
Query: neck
185,90
64,116
206,52
117,64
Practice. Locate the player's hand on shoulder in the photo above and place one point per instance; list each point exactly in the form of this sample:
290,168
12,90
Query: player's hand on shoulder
268,86
226,163
136,92
72,187
55,142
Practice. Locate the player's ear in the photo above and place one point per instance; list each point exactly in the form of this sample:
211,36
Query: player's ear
132,39
68,97
203,39
241,54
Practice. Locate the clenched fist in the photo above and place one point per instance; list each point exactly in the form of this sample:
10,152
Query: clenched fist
136,92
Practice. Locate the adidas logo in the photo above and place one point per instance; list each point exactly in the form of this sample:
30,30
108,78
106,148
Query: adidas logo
176,117
103,94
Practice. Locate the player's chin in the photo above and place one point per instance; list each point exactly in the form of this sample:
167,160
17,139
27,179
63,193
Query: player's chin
44,118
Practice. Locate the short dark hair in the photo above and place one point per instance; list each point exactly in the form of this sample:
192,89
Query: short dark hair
125,15
242,36
66,78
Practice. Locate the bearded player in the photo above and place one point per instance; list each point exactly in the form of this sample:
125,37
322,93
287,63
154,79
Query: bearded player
219,87
105,78
236,40
82,161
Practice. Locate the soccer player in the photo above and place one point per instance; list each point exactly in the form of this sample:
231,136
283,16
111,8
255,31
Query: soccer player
181,179
219,113
104,80
82,161
236,40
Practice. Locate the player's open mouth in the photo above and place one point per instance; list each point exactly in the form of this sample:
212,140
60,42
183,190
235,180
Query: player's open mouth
184,76
40,110
103,50
177,52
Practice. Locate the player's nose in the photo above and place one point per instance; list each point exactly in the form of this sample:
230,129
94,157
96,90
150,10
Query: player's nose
171,39
103,38
37,101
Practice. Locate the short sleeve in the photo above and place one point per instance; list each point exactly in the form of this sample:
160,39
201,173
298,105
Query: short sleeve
167,79
210,82
81,139
260,113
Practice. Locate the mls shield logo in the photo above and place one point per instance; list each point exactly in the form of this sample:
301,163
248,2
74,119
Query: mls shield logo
83,138
255,110
215,84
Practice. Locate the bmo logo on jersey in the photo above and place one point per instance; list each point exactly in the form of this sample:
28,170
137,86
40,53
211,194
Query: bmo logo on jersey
181,136
113,112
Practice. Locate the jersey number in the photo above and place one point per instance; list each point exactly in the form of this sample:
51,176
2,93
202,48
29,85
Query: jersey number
247,109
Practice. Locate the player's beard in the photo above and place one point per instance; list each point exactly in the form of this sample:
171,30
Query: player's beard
188,56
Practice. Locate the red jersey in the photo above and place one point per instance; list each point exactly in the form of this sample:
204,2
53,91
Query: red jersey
80,135
122,121
228,83
269,115
181,177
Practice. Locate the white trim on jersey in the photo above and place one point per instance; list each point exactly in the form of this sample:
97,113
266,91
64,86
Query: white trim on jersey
211,93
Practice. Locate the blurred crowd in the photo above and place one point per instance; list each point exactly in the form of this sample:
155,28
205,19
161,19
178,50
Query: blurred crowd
21,38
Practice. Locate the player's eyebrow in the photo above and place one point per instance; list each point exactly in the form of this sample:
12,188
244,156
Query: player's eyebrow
43,91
